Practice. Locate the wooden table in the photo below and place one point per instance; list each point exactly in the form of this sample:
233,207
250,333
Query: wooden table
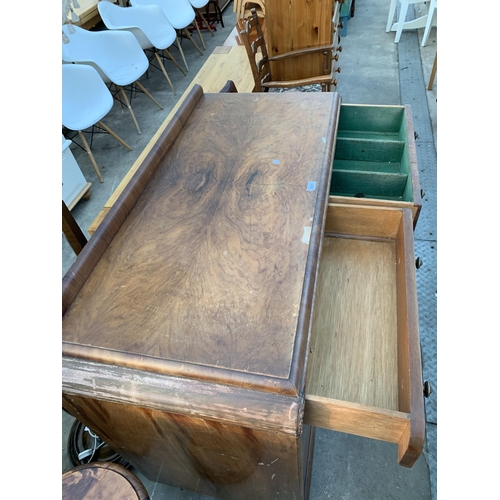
225,63
202,325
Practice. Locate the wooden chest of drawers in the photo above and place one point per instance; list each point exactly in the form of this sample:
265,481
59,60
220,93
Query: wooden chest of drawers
194,320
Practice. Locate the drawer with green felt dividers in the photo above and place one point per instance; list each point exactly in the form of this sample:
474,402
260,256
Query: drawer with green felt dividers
375,160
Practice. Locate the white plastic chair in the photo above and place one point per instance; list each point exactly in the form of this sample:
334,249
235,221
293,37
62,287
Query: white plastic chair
426,21
116,55
181,15
430,22
149,25
197,6
85,102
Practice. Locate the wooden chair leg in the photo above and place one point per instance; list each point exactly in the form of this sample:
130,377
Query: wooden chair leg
186,32
141,86
127,103
74,235
117,88
164,72
91,156
433,72
171,57
112,134
205,22
199,34
179,46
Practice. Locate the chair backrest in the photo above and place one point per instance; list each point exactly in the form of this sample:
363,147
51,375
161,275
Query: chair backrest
261,70
147,22
180,13
243,7
85,97
198,4
116,54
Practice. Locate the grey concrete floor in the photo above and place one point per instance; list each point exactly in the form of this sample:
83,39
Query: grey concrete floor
345,467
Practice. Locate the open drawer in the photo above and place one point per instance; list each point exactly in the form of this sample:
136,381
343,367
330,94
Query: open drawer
375,161
364,372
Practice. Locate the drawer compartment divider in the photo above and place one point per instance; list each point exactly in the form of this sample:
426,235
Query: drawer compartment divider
368,183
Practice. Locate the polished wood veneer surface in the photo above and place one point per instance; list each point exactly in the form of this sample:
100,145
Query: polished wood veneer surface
214,266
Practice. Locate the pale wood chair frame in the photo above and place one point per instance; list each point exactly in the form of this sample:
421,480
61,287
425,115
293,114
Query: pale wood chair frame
241,11
261,69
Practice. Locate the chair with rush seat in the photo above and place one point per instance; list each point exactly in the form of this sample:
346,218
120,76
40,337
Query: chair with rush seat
85,101
116,55
148,24
261,69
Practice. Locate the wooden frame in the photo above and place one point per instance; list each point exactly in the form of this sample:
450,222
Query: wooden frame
364,368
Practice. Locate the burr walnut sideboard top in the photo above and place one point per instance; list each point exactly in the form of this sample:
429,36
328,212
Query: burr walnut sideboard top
211,272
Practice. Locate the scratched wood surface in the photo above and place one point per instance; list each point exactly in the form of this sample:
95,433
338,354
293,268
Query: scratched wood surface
208,269
224,461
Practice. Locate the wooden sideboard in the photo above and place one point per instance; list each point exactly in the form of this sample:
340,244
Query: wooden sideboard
224,309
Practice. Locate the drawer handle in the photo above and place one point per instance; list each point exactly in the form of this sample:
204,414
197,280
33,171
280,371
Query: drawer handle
422,193
334,82
335,57
418,262
427,389
337,70
339,48
415,135
340,25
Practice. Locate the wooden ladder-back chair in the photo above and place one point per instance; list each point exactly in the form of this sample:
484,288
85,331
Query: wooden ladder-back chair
261,69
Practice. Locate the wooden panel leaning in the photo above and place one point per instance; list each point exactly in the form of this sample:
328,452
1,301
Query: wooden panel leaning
364,368
186,317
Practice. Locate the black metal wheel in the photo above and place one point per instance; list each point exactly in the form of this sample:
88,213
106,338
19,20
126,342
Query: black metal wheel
84,447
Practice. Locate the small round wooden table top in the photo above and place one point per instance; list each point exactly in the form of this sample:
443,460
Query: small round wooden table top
102,481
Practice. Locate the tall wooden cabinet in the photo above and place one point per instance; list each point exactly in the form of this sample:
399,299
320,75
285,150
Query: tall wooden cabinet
298,24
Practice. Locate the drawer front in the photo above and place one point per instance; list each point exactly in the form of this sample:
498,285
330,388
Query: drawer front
375,160
364,373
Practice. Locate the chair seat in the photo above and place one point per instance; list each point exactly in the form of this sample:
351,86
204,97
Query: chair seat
178,12
115,54
147,22
85,97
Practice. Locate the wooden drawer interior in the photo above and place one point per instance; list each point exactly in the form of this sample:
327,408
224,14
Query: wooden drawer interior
364,371
372,153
